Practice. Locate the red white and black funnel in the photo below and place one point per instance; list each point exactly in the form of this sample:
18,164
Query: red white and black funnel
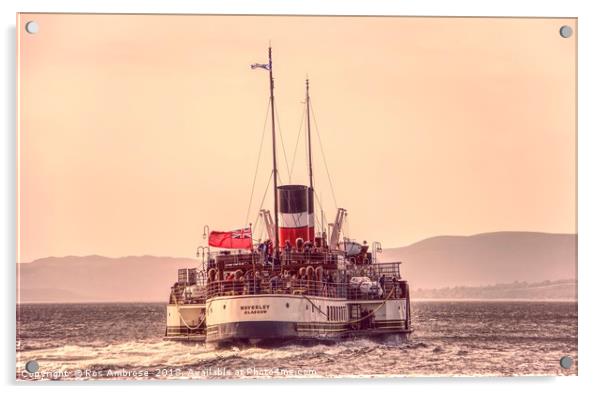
296,206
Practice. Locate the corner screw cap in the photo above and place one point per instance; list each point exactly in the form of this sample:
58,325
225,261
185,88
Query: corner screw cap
566,31
566,362
32,366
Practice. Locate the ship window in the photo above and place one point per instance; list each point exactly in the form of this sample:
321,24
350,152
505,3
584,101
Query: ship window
287,305
306,307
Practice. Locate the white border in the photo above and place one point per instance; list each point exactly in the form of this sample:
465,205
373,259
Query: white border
589,199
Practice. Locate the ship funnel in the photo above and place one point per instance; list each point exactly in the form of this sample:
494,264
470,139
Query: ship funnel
296,205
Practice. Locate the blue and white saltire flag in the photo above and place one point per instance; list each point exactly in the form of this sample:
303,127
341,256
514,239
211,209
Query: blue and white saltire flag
257,65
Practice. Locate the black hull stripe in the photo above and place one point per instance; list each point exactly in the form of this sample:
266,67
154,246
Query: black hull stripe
269,330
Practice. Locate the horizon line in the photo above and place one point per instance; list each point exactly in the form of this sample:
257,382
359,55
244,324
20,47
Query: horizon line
385,248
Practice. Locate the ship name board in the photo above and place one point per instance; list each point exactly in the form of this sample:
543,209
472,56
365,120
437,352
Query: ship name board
254,309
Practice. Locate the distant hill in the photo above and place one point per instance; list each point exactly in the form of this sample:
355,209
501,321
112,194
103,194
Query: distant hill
487,259
440,262
100,279
546,290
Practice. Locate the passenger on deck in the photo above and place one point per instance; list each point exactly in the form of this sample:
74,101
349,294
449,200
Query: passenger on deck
299,245
307,246
286,281
324,291
294,282
287,252
270,247
229,280
381,281
257,283
269,251
330,286
261,248
249,288
304,281
274,283
239,284
311,281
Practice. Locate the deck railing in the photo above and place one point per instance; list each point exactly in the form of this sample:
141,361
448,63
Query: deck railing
287,258
300,287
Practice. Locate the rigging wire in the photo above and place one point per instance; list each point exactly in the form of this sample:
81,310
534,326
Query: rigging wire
265,122
323,155
321,209
289,168
279,179
261,233
267,187
290,174
282,144
258,228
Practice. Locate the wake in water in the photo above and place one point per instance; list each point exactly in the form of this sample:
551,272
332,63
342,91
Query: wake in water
450,339
154,356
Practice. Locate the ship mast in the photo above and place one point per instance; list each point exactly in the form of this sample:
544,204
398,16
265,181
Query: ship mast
311,175
310,194
274,164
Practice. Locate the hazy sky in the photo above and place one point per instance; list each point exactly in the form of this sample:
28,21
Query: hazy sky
136,131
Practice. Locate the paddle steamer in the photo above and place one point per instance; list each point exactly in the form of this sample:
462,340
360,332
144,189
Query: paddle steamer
302,283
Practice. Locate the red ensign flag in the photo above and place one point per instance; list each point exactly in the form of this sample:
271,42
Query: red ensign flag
237,239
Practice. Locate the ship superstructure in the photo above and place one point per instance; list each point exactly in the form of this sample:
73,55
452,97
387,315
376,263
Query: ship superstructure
300,283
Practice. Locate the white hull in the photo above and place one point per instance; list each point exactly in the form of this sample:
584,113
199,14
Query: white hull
185,322
253,318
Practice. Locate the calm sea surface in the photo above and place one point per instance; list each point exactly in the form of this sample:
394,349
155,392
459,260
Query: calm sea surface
107,341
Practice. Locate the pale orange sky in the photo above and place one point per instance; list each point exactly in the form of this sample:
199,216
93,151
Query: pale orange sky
135,131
